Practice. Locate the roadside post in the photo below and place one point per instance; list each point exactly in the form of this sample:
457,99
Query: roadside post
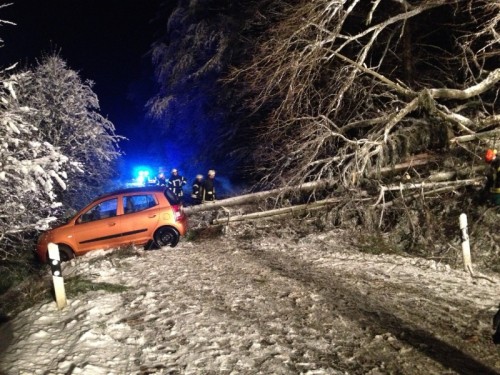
465,243
55,266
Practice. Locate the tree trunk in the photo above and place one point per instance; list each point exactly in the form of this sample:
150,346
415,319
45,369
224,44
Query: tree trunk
255,197
279,211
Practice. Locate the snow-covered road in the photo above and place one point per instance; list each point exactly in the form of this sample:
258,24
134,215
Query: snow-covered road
261,305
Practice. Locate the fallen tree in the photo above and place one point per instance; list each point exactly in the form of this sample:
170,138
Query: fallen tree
285,211
428,185
425,186
259,196
354,101
392,102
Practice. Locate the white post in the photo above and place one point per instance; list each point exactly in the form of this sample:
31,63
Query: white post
465,243
55,266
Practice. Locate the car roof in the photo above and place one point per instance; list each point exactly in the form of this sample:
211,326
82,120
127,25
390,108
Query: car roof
146,189
138,190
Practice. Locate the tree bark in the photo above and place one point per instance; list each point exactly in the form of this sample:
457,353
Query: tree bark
414,161
422,185
255,197
472,137
279,211
469,92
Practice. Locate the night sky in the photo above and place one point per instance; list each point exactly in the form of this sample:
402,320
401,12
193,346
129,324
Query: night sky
107,41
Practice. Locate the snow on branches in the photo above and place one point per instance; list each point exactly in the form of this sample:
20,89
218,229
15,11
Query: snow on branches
362,85
29,169
67,116
54,145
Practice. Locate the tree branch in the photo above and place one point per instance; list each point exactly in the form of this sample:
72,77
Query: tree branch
470,92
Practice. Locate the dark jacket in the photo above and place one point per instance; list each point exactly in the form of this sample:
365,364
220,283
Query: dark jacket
196,191
208,193
493,182
175,184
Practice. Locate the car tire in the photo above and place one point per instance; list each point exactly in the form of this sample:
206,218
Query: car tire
65,253
166,236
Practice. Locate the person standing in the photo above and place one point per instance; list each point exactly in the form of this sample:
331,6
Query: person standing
161,180
208,193
196,189
176,182
493,183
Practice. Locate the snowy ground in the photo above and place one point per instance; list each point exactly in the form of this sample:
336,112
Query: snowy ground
261,305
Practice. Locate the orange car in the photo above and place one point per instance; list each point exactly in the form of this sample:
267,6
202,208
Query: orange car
132,216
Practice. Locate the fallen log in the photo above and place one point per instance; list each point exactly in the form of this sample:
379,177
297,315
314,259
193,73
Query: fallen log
414,161
413,196
421,185
278,212
255,197
429,185
447,176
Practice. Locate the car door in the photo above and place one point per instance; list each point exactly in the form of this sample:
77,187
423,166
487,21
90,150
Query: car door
140,217
98,227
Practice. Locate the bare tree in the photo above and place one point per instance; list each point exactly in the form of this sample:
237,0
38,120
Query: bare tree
362,85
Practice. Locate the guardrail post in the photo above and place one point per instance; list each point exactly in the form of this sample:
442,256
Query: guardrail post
57,278
465,243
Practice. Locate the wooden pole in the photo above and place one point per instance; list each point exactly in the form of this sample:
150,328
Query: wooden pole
55,266
465,243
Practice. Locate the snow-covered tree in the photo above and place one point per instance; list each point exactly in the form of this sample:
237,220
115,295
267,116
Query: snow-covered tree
67,116
30,168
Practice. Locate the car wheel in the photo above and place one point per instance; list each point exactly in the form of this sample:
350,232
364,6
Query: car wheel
65,253
166,236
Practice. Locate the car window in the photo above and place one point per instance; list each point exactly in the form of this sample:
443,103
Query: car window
171,197
102,210
136,203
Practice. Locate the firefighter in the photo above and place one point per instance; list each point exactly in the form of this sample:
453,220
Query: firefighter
493,183
196,189
208,193
176,182
161,180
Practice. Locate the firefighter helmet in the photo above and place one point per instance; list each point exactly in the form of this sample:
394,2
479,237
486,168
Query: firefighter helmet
490,155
